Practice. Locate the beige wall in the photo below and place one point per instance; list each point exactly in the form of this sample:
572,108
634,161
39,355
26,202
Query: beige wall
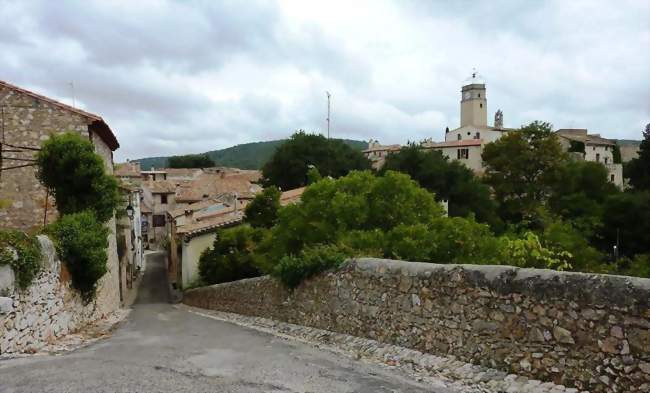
473,105
469,133
605,153
474,160
190,256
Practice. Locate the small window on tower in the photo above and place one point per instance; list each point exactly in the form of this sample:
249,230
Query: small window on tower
479,95
481,105
459,136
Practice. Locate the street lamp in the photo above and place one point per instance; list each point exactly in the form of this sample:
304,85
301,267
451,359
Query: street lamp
129,212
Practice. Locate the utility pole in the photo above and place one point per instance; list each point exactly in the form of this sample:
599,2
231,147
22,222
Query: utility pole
329,96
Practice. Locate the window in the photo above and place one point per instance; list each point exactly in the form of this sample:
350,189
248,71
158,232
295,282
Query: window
611,177
158,220
462,154
477,136
593,148
481,105
479,95
605,160
597,157
459,136
163,199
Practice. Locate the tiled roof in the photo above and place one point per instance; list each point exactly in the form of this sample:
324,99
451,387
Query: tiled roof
291,196
127,169
581,135
197,228
461,143
193,207
215,184
382,148
96,121
160,187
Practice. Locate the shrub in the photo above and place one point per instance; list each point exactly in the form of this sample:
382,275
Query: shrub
82,241
231,256
28,250
69,166
262,212
639,266
292,270
529,252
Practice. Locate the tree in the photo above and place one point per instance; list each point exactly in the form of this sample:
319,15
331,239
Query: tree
522,167
262,212
231,256
638,169
70,168
288,166
626,216
448,180
191,161
579,194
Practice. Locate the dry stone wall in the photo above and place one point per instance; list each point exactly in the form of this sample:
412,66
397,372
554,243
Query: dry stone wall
47,310
587,331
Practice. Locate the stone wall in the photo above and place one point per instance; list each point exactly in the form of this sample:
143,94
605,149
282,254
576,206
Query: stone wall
47,310
583,330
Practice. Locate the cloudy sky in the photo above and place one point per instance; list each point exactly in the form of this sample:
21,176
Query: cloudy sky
190,76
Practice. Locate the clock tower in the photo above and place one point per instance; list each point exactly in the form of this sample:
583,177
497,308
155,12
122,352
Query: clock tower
473,103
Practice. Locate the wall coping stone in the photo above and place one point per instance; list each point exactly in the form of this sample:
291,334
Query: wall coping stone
615,290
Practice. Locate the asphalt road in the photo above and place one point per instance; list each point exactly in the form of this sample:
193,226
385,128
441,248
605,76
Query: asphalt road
163,349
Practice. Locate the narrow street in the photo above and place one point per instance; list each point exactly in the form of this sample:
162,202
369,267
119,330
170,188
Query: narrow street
163,349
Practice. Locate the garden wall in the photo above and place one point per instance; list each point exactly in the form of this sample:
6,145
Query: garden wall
589,331
48,309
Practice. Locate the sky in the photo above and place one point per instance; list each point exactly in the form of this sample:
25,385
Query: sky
191,76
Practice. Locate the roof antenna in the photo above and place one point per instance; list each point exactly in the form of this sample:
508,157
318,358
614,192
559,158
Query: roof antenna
72,89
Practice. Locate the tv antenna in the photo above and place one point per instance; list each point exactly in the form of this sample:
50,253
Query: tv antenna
72,91
329,96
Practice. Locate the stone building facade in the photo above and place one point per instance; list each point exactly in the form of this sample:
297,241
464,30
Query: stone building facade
588,331
26,120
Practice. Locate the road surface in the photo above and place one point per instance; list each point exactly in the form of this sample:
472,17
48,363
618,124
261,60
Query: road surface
164,349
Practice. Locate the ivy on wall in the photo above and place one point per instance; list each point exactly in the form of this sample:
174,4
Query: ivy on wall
26,261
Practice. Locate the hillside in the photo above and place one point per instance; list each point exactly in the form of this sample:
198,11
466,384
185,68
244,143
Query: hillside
246,156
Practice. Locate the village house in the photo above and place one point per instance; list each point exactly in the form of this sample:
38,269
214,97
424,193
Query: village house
129,241
377,153
26,120
129,172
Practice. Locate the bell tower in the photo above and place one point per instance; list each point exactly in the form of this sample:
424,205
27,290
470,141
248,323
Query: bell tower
473,103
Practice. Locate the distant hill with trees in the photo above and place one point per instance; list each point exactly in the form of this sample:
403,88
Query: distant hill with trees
245,156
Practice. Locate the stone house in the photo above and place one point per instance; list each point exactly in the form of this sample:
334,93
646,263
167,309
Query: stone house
376,153
26,120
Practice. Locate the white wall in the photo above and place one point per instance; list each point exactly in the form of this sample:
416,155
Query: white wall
486,134
190,256
474,160
605,152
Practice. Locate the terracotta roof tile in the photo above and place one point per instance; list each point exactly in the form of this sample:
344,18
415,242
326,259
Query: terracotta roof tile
291,196
461,143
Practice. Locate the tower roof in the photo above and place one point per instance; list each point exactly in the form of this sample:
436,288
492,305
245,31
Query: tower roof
474,79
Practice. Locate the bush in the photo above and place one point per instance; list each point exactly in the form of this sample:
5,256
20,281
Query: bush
292,270
28,263
639,266
231,257
82,242
69,166
262,212
529,252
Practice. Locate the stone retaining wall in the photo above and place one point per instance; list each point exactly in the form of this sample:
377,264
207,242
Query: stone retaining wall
47,310
584,330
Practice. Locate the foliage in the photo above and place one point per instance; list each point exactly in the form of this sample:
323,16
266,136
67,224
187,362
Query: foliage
245,156
292,270
529,252
191,161
639,266
579,194
287,168
28,262
231,256
69,166
638,169
561,236
81,242
627,216
262,212
576,147
449,180
313,175
616,154
522,167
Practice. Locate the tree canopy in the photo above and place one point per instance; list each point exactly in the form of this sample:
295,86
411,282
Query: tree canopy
70,168
191,161
522,168
638,169
287,168
262,212
448,180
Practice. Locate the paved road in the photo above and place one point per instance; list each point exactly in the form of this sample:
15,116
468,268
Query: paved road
163,349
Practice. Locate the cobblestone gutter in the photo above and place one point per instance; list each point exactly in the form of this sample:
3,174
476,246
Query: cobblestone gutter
587,331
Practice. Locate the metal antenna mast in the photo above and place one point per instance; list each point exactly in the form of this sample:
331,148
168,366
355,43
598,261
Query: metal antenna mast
329,96
72,88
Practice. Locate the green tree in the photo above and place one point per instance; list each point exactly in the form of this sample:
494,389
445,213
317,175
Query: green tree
448,180
638,169
522,167
626,216
231,256
288,166
191,161
82,243
262,212
70,168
